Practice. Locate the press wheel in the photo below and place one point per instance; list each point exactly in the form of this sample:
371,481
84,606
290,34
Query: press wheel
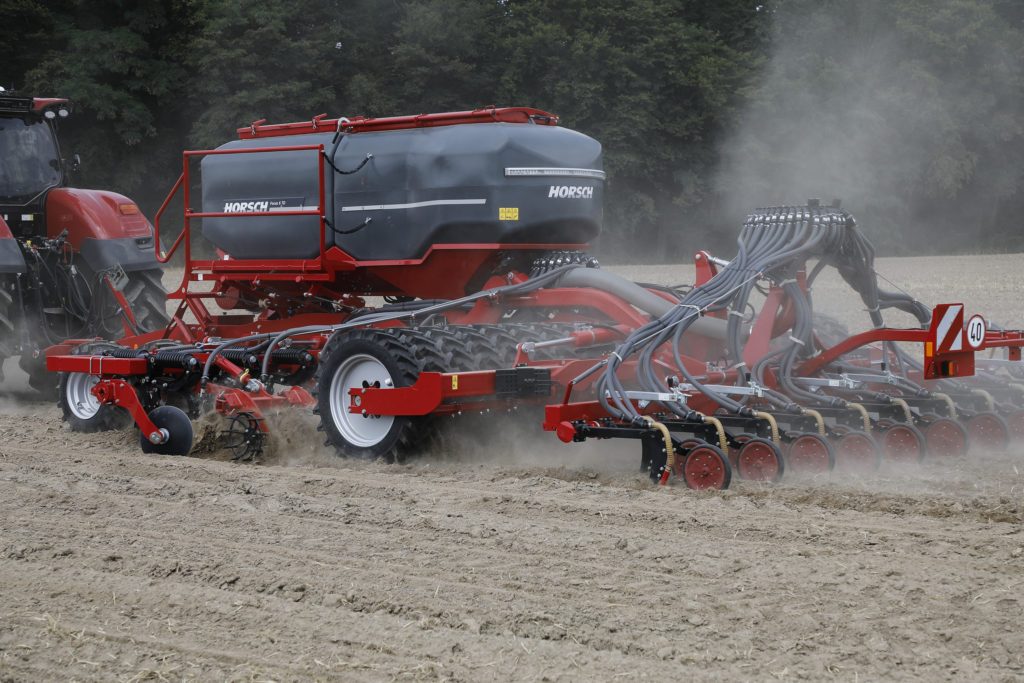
759,460
945,437
857,452
706,467
810,454
902,443
989,432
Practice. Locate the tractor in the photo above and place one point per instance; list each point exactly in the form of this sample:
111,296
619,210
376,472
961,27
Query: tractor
73,262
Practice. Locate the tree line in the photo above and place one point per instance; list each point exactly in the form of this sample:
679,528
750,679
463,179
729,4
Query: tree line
910,112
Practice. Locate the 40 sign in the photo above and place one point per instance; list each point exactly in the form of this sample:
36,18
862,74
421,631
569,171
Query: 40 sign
975,331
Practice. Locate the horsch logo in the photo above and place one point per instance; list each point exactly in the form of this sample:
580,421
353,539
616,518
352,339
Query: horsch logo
570,192
246,207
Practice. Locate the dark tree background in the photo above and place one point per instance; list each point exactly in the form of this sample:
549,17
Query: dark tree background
911,112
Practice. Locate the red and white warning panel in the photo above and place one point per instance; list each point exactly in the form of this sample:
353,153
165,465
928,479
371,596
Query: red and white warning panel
946,354
949,332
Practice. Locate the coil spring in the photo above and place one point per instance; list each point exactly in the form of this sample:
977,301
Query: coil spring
554,259
173,359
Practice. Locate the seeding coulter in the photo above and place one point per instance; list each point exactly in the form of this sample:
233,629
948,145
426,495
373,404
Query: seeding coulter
468,232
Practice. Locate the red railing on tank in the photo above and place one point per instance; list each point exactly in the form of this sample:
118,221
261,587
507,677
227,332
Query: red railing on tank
362,124
186,232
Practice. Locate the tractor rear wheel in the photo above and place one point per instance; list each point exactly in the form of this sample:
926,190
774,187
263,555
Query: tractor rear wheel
144,293
6,326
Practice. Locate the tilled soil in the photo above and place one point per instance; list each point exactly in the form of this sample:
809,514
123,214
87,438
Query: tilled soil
511,557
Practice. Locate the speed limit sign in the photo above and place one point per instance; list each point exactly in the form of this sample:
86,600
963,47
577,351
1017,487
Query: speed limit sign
976,331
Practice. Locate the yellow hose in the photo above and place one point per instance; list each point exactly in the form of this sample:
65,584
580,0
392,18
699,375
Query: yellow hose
670,451
906,409
863,414
1018,387
987,396
774,425
949,403
721,431
817,418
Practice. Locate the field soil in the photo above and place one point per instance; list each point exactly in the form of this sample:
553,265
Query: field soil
507,555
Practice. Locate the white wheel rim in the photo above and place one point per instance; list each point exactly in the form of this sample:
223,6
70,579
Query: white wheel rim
356,429
80,399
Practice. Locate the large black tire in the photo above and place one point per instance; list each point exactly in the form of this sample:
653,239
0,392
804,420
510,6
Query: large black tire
39,378
399,355
379,358
147,298
7,335
80,408
143,292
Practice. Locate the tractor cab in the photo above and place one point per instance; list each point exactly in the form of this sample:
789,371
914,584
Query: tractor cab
30,160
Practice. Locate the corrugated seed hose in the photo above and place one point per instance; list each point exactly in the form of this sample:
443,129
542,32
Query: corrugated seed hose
775,426
987,396
670,451
863,414
721,431
906,410
949,403
817,418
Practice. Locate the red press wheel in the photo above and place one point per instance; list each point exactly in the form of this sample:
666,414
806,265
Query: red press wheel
706,467
944,437
759,460
1016,422
734,452
856,452
810,454
988,432
902,443
679,470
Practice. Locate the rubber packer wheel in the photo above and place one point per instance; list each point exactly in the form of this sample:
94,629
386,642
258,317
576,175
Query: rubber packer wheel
706,467
759,460
856,452
988,432
902,443
810,454
379,358
944,437
82,411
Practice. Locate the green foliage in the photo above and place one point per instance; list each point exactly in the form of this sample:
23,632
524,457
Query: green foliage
260,59
910,111
119,62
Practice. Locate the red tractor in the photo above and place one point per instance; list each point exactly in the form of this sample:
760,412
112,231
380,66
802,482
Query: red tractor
469,230
73,263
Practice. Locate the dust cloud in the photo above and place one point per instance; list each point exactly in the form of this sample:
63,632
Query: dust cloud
869,102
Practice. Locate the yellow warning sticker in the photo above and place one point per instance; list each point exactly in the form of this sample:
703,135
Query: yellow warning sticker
508,213
455,382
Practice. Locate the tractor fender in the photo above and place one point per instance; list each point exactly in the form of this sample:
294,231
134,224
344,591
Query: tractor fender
11,260
106,228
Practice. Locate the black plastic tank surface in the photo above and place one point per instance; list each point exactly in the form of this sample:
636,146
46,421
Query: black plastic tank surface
480,183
